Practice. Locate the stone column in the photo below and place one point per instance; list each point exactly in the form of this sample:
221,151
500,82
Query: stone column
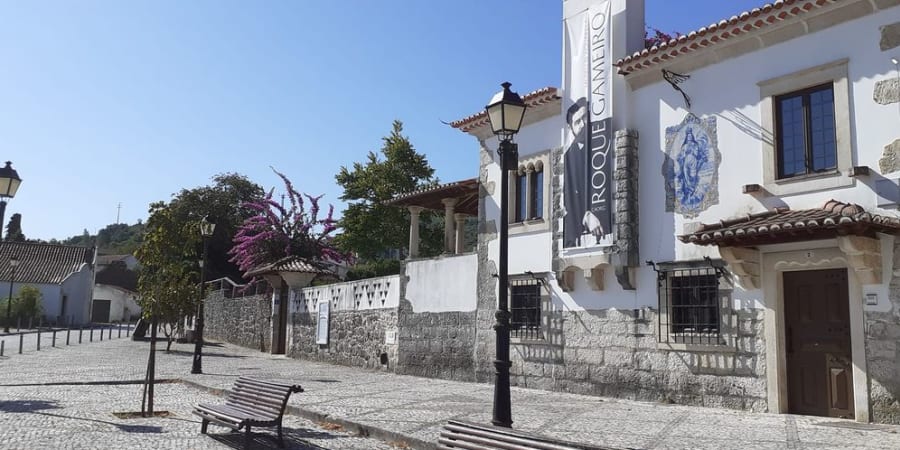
449,206
414,231
460,232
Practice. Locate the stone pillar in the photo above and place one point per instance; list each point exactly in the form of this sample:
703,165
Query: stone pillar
414,231
626,177
460,232
449,237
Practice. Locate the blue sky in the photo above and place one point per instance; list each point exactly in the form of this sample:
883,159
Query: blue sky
108,102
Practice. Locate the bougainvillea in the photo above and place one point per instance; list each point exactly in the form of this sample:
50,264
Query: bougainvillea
277,231
654,37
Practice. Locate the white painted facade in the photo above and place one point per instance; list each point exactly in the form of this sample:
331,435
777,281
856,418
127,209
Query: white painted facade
454,290
735,85
123,303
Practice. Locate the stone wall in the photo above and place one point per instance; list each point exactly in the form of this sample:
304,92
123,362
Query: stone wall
883,354
355,338
612,353
437,345
240,321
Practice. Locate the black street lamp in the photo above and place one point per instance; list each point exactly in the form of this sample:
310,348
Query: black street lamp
505,112
13,262
9,184
206,231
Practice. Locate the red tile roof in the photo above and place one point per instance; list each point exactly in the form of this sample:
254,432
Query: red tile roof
289,264
785,225
465,191
718,33
536,98
42,263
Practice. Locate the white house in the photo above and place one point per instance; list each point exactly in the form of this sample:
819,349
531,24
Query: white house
115,290
711,221
63,274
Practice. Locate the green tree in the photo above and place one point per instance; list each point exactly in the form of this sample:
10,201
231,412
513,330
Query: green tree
369,227
26,304
171,247
14,229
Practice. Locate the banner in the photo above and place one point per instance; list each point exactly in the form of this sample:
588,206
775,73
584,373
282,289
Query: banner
589,158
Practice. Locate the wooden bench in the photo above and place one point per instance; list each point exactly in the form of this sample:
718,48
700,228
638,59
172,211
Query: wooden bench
471,436
250,403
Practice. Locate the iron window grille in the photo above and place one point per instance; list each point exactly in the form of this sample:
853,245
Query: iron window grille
690,307
525,309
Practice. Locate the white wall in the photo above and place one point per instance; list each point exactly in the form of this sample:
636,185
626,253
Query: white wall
729,91
123,302
443,284
78,287
368,294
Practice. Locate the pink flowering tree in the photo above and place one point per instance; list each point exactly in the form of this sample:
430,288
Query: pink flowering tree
277,231
654,37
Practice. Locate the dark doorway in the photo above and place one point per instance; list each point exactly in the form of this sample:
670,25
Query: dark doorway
817,343
100,311
280,320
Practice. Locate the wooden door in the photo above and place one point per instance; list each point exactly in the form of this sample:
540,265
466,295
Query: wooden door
100,311
817,343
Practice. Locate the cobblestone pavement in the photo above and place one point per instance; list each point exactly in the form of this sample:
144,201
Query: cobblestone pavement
61,338
381,404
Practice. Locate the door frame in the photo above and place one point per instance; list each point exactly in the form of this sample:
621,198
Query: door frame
809,256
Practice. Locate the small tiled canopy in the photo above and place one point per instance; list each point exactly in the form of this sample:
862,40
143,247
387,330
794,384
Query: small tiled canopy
465,191
289,264
785,225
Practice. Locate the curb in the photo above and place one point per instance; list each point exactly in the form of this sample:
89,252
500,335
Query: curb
349,426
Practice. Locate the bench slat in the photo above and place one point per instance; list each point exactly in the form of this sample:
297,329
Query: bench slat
218,411
279,387
217,421
272,390
239,416
253,408
275,400
471,436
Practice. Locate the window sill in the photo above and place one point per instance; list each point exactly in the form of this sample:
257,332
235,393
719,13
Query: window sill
700,348
801,184
528,226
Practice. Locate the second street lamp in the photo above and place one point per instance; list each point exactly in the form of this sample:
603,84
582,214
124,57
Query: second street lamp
9,184
13,263
206,231
505,112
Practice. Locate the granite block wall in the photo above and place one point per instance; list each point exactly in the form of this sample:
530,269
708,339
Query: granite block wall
883,355
355,338
240,321
615,353
437,345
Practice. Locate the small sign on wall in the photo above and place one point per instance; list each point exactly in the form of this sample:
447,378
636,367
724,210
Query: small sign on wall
390,336
322,323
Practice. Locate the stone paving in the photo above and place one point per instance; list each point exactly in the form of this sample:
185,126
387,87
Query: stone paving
397,409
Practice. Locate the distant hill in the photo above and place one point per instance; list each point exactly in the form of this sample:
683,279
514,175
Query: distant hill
114,239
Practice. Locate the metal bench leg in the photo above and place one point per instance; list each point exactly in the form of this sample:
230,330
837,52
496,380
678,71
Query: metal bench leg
247,438
203,426
280,436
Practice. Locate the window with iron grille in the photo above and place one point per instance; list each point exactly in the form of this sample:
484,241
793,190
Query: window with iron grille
525,309
690,308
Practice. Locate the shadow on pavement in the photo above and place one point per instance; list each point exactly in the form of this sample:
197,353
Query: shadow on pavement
205,355
293,439
120,426
27,406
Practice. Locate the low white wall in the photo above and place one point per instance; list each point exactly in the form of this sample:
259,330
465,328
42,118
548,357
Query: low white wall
443,284
371,293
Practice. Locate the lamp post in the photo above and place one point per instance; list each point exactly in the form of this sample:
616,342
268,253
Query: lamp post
9,184
505,113
206,231
13,262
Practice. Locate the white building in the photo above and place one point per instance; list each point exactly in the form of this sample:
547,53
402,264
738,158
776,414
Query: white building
764,200
63,274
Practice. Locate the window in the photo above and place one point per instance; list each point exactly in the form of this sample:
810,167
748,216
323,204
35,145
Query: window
521,197
537,194
525,309
805,132
527,192
690,305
